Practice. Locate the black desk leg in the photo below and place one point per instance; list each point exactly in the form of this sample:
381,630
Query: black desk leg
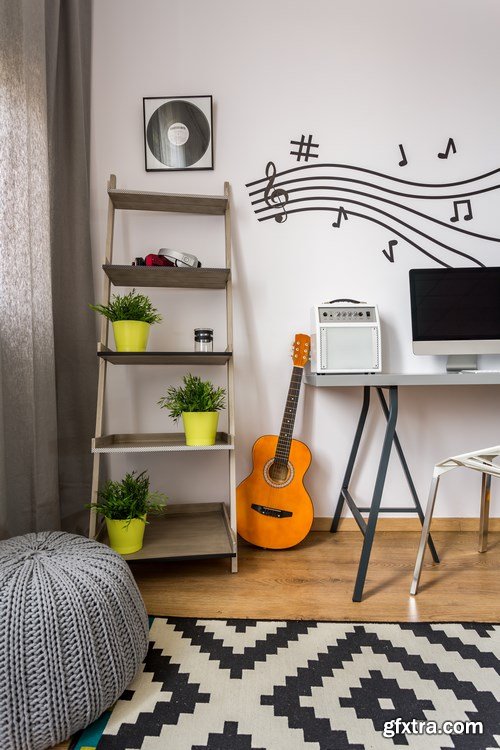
377,493
352,458
409,479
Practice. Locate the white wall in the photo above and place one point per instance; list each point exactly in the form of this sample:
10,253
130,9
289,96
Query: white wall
361,77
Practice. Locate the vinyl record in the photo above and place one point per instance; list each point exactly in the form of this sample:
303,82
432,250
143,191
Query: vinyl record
178,134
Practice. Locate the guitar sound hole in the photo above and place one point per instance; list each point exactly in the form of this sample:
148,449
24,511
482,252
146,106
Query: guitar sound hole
279,472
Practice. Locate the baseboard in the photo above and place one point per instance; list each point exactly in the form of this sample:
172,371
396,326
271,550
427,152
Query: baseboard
408,524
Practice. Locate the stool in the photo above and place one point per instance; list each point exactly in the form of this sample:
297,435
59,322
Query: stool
73,631
482,461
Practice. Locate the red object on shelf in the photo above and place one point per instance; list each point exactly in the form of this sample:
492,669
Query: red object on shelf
157,260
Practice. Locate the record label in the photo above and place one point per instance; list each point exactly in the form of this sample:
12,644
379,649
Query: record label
178,134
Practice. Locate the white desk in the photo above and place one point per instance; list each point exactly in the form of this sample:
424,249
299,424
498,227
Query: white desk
386,379
391,383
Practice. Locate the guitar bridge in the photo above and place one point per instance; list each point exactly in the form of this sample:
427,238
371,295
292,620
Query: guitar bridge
265,510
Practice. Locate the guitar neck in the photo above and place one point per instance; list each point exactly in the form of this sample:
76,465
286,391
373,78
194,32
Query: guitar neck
285,438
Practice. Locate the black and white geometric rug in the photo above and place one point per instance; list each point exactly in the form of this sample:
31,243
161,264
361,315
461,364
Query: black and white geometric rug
299,685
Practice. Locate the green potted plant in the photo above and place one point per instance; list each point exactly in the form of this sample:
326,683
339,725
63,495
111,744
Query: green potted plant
132,315
125,505
198,402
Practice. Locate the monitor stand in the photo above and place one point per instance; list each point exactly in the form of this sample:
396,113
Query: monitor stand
458,362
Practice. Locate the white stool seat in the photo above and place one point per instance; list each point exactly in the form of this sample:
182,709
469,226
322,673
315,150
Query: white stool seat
481,460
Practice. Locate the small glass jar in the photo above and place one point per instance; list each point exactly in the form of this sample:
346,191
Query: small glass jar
203,339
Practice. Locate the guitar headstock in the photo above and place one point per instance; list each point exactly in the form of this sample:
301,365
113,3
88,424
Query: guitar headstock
300,349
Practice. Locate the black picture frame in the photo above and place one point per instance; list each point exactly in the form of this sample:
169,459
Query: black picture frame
178,133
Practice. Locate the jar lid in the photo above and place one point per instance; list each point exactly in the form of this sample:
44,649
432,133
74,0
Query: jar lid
203,333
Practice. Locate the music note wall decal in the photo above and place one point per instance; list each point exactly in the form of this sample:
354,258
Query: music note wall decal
341,215
304,148
275,197
467,212
404,160
450,146
390,253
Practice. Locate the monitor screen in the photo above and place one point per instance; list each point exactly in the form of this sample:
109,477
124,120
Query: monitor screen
455,310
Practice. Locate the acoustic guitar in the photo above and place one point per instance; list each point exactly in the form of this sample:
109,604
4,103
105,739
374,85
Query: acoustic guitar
273,507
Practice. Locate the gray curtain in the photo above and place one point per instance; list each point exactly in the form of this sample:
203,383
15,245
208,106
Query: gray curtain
47,339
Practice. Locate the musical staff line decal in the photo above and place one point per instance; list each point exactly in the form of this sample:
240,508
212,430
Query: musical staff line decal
379,198
315,187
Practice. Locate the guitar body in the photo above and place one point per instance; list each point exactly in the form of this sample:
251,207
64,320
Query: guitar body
275,513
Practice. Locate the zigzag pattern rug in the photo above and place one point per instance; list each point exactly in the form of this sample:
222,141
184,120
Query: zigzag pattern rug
299,685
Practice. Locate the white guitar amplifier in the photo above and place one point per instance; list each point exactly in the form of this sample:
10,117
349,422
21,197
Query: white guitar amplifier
345,337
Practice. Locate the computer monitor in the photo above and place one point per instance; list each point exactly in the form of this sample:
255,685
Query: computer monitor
456,311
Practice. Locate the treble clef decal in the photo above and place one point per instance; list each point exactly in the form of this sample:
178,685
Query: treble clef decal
276,196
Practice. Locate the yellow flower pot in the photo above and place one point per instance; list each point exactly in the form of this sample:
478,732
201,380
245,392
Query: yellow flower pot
131,335
200,427
124,537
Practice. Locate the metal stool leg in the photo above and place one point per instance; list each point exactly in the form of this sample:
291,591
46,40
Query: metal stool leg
485,512
425,533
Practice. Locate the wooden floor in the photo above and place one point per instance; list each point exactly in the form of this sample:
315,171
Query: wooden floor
315,581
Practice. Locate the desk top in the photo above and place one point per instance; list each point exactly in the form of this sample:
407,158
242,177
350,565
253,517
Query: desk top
402,378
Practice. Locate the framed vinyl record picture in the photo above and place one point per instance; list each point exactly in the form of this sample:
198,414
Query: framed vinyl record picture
178,133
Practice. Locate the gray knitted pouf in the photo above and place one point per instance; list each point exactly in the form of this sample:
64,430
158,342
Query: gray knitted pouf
73,631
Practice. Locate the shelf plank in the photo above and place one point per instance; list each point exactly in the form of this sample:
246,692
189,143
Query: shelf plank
185,532
167,276
139,200
155,442
165,358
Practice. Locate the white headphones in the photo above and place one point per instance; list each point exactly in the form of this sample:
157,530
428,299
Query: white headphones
180,259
